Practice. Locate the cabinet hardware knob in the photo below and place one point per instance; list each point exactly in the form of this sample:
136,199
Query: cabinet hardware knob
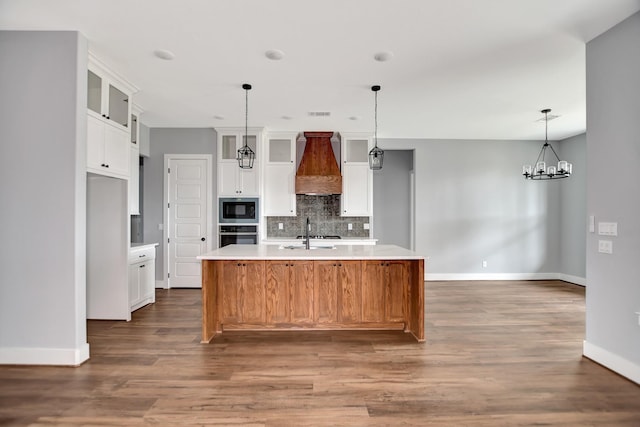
141,256
203,239
108,117
142,265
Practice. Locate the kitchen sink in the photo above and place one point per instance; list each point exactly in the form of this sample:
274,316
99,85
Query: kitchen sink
310,247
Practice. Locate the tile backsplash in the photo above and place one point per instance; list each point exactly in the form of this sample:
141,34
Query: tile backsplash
323,213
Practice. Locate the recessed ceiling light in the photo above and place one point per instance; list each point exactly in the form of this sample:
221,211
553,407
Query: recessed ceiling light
167,55
274,54
218,117
353,118
383,56
287,117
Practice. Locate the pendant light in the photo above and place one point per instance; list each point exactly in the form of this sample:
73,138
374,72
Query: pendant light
540,171
376,155
246,156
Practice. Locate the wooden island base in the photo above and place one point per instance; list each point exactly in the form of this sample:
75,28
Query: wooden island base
307,294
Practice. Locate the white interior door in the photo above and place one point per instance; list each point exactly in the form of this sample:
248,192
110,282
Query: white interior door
188,220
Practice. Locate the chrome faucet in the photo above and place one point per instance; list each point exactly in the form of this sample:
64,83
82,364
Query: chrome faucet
308,227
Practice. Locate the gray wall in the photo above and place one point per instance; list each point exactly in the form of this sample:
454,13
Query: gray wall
392,199
43,82
573,196
170,141
472,204
613,155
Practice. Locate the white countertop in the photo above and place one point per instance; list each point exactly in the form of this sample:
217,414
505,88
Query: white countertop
142,245
346,252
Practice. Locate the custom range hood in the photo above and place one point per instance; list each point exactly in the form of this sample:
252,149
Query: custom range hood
318,172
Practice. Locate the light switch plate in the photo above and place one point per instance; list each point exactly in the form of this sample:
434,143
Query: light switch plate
592,224
605,246
280,226
608,228
349,226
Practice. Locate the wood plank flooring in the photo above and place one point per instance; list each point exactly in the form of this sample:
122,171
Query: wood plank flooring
497,354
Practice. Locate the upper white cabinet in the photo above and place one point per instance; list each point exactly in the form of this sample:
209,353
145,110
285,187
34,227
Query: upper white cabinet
107,96
108,128
107,149
357,178
134,162
279,174
232,180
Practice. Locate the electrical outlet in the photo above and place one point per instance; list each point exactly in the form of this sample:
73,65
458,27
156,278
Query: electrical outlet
365,225
280,226
605,246
349,226
484,264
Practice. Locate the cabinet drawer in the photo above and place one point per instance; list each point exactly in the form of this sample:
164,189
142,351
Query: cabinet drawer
142,254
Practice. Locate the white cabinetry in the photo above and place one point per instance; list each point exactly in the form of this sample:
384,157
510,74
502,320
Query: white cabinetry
134,168
142,276
232,180
108,128
279,174
107,149
357,178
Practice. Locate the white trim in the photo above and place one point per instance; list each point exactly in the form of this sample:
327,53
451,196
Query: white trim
161,284
165,216
612,361
582,281
504,276
44,356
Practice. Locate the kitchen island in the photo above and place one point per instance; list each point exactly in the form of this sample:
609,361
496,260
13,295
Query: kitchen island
270,287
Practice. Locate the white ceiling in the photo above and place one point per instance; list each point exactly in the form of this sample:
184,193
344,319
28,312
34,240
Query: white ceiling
472,69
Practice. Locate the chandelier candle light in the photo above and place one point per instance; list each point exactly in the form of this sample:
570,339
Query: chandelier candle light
541,171
376,155
246,156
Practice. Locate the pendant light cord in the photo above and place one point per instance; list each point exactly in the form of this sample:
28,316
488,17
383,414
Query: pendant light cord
375,128
246,116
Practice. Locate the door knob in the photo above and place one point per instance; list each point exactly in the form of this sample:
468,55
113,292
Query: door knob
203,239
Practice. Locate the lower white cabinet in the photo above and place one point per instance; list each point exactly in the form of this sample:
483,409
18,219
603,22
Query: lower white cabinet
142,277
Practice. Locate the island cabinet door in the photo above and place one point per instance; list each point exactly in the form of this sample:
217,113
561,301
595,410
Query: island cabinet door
229,287
325,291
384,291
243,291
350,292
278,289
301,276
252,297
374,279
397,291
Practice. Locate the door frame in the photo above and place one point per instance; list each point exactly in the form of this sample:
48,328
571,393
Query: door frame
165,200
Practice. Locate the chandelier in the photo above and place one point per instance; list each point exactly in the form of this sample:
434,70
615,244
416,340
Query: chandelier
540,170
376,155
246,156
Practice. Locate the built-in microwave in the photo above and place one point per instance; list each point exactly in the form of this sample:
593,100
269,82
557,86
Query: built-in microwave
233,210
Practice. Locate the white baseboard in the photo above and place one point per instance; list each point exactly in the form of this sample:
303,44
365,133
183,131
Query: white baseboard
44,356
161,284
504,276
582,281
612,361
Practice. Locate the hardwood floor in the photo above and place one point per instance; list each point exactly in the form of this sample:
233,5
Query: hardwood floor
497,354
